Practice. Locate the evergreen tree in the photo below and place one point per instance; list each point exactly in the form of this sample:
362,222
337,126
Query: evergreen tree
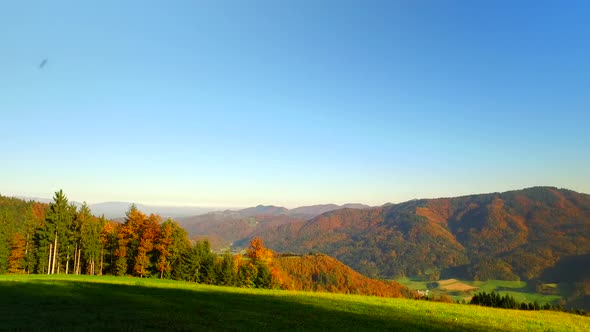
56,223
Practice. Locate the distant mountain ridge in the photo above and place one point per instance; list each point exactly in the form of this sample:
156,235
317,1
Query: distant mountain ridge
229,226
117,210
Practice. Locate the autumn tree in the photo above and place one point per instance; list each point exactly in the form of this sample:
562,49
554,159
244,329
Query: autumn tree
261,257
258,253
163,245
148,234
108,243
128,240
17,254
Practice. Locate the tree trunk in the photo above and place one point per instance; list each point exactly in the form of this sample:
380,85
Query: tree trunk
76,260
54,255
67,263
27,253
79,259
101,259
49,262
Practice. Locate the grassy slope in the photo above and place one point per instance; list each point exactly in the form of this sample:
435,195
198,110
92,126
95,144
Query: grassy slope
111,303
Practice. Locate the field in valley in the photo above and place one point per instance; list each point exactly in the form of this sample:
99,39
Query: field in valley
66,302
464,289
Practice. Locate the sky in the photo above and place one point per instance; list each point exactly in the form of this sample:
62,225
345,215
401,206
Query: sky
240,103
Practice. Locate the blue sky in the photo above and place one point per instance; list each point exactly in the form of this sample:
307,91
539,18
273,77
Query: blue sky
237,103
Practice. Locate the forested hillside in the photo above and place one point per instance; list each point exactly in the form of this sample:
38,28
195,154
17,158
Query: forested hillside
512,235
324,273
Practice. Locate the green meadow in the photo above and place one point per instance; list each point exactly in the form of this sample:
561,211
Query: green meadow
520,290
70,303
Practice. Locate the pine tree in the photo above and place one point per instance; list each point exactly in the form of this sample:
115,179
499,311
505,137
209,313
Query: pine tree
90,245
57,220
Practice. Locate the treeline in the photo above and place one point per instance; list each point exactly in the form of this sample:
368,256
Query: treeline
496,300
62,238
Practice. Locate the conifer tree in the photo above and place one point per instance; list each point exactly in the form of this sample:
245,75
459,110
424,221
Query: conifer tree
57,220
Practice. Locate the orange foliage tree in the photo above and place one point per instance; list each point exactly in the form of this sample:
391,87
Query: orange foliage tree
17,254
268,275
149,233
257,252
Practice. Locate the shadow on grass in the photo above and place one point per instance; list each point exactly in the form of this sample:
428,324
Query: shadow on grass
68,305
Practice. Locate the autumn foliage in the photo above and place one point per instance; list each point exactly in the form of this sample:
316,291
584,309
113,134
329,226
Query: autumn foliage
326,274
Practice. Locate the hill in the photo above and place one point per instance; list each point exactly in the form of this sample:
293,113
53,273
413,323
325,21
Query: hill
325,274
61,302
512,235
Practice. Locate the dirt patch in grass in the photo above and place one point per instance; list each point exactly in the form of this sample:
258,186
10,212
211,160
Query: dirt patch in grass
459,286
447,282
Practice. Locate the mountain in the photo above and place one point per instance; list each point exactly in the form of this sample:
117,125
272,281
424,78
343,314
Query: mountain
226,227
306,212
229,227
268,210
512,235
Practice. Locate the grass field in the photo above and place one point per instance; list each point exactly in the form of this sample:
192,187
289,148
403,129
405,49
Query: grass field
119,303
518,289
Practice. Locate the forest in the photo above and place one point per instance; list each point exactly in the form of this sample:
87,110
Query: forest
60,238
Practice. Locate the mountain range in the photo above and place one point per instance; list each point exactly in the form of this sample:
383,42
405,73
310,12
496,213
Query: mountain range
222,228
512,235
515,235
117,210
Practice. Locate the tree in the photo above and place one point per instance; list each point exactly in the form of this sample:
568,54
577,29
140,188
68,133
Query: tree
17,254
163,246
90,244
148,234
128,239
258,253
80,233
261,258
57,220
108,244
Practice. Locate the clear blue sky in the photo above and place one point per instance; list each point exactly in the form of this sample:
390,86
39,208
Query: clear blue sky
237,103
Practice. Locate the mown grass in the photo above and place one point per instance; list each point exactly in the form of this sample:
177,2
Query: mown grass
36,303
